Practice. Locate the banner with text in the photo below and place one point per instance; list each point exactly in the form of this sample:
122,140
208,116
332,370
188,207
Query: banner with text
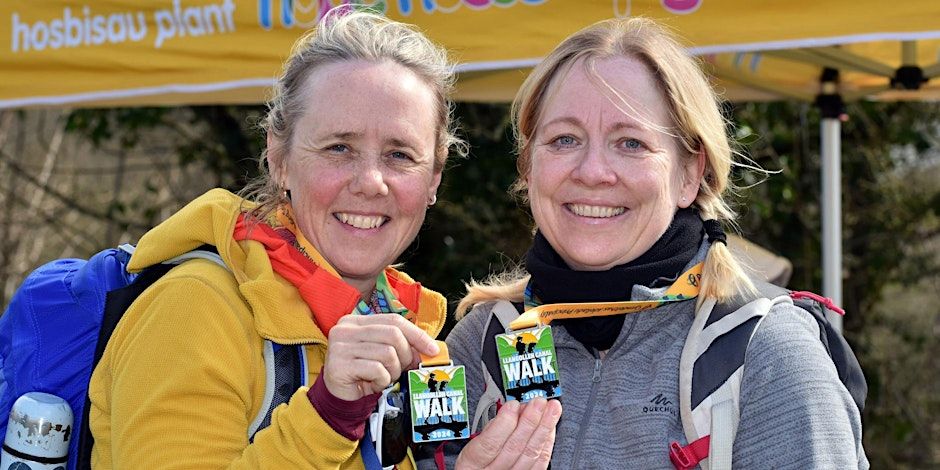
140,52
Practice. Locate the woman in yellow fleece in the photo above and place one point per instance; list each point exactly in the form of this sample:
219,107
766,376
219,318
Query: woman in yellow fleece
359,130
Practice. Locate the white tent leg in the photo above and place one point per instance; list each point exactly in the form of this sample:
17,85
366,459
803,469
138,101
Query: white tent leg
832,214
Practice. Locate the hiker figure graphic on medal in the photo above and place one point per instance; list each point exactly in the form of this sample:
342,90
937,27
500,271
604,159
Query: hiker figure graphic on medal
438,404
528,364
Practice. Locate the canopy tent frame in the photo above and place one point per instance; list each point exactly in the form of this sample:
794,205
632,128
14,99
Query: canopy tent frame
908,76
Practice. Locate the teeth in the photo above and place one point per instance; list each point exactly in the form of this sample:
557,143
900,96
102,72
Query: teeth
360,221
599,212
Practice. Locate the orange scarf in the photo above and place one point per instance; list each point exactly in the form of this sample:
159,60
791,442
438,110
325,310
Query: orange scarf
295,259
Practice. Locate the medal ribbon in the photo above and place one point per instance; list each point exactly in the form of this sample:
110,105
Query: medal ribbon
686,287
441,359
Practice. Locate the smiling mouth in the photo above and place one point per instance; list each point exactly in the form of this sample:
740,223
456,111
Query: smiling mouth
596,212
364,222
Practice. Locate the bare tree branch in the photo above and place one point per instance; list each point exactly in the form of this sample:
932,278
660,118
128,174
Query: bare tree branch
66,200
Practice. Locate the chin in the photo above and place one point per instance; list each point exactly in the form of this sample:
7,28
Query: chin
592,263
360,267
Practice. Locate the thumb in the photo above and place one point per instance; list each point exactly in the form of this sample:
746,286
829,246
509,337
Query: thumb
419,339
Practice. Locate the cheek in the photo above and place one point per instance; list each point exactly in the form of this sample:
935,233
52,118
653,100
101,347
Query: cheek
543,175
662,180
412,193
312,192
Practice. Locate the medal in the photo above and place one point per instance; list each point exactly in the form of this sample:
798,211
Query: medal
438,398
528,365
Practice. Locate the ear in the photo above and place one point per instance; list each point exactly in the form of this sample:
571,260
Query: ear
692,179
276,161
435,182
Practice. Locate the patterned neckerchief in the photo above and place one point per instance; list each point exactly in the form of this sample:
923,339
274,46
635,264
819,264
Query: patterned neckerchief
321,287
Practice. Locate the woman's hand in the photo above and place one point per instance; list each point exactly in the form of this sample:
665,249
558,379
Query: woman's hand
366,353
521,436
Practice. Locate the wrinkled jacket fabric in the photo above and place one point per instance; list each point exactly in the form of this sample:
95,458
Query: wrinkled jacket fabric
183,375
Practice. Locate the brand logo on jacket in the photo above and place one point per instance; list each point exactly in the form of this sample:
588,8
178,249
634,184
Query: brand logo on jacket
661,404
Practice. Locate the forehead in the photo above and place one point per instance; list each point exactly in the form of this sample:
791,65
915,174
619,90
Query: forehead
344,93
616,88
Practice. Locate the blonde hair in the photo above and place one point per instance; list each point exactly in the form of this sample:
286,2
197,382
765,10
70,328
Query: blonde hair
694,108
347,36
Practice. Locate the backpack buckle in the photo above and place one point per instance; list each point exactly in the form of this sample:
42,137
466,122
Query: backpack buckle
686,458
680,458
826,301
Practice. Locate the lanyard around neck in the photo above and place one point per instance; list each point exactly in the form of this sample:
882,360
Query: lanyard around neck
684,288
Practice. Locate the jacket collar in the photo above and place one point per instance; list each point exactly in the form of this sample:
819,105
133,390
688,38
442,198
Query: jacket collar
280,313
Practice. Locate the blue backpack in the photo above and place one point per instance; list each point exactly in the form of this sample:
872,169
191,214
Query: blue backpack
58,323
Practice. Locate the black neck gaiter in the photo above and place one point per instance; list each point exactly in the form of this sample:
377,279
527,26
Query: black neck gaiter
554,282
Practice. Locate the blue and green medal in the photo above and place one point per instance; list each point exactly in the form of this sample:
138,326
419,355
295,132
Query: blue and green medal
438,394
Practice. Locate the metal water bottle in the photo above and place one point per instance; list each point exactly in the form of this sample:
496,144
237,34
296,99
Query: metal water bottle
38,433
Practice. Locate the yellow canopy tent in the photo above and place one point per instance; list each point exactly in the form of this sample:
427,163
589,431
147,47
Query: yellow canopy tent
67,53
173,52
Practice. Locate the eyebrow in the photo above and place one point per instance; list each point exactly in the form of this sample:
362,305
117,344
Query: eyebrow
344,135
628,125
562,120
619,125
401,143
351,135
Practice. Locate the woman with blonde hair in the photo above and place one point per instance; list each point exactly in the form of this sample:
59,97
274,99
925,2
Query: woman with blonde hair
358,133
624,160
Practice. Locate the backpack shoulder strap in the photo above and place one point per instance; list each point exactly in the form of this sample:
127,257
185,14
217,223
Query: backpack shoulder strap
847,365
501,313
116,303
710,370
285,368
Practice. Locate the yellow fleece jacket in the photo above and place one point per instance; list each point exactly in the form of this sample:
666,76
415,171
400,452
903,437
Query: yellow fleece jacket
183,375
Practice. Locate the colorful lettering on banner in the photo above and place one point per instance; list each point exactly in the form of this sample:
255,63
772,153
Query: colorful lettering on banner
83,27
528,364
624,8
438,403
301,13
192,21
682,7
305,14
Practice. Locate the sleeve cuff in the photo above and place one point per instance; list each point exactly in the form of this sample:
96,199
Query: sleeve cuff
348,418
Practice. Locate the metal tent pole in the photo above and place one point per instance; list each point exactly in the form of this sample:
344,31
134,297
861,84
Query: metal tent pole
832,110
832,214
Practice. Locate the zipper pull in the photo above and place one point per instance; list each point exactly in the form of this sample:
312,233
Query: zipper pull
597,370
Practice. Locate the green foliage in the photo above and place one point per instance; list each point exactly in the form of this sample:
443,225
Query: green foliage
222,139
100,125
890,189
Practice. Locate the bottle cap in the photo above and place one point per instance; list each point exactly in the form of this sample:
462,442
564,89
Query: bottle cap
40,426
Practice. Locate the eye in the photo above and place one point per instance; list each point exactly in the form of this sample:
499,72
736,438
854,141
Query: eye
338,148
633,145
564,141
399,155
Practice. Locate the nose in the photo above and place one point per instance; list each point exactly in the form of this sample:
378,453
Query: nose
369,181
593,167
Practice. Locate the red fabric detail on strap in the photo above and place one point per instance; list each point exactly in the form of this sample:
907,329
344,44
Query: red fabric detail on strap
829,303
439,457
688,457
